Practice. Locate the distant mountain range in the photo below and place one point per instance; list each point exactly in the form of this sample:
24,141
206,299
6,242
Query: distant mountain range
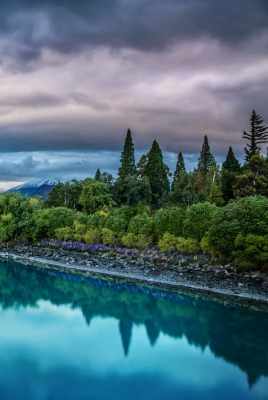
37,187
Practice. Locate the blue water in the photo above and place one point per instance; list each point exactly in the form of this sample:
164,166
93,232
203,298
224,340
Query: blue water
67,337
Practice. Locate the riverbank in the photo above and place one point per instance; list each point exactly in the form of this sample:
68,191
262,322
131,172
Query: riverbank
225,281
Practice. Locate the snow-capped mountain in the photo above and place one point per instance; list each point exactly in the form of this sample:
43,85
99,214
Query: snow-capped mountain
37,187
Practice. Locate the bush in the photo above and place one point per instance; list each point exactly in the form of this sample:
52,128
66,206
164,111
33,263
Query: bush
198,220
117,221
251,251
92,236
168,243
187,246
96,220
109,237
169,220
206,246
79,231
65,233
44,223
142,224
245,216
133,240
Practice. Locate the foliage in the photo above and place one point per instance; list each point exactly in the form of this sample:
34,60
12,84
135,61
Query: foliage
128,167
215,196
157,173
198,220
65,233
132,190
254,178
169,220
230,168
139,240
258,135
251,251
92,236
44,223
187,246
142,224
95,195
180,168
248,215
141,164
184,192
65,195
118,221
109,237
96,220
15,214
206,159
167,243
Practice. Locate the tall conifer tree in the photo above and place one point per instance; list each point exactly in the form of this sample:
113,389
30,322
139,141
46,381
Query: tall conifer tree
157,173
206,159
128,166
230,169
97,176
258,135
180,166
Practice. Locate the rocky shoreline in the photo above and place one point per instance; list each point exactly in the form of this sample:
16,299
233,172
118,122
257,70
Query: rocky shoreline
225,281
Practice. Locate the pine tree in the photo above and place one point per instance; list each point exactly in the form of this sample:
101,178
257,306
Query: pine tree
258,135
253,180
184,193
157,173
141,165
215,196
128,166
230,169
206,159
97,176
180,166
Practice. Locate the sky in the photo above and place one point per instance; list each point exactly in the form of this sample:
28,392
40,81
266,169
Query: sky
75,75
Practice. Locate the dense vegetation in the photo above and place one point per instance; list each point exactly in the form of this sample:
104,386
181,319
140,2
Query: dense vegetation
220,211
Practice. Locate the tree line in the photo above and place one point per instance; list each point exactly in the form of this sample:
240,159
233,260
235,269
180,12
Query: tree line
221,211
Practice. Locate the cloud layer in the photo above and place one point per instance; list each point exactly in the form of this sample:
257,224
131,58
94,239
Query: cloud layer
75,75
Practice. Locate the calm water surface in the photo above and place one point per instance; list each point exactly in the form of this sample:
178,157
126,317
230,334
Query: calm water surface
67,337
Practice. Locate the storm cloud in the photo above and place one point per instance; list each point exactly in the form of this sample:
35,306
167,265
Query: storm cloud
67,26
76,75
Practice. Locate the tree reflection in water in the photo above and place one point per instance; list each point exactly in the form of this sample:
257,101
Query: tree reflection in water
235,333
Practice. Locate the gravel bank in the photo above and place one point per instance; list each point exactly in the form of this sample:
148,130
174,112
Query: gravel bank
248,287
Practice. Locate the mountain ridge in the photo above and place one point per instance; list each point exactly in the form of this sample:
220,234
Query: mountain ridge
37,187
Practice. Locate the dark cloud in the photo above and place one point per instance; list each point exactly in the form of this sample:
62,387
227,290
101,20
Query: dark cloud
31,100
68,26
75,75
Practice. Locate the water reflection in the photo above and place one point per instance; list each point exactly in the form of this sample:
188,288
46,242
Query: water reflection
136,342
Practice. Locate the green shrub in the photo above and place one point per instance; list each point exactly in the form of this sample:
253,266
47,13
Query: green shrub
142,224
108,237
44,223
198,220
206,246
117,221
248,215
133,240
251,251
96,220
187,246
169,220
92,236
168,243
65,233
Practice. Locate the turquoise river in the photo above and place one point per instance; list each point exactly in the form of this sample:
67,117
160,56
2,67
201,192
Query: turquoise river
66,336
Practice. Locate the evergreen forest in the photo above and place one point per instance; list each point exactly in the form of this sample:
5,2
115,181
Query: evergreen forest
217,210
